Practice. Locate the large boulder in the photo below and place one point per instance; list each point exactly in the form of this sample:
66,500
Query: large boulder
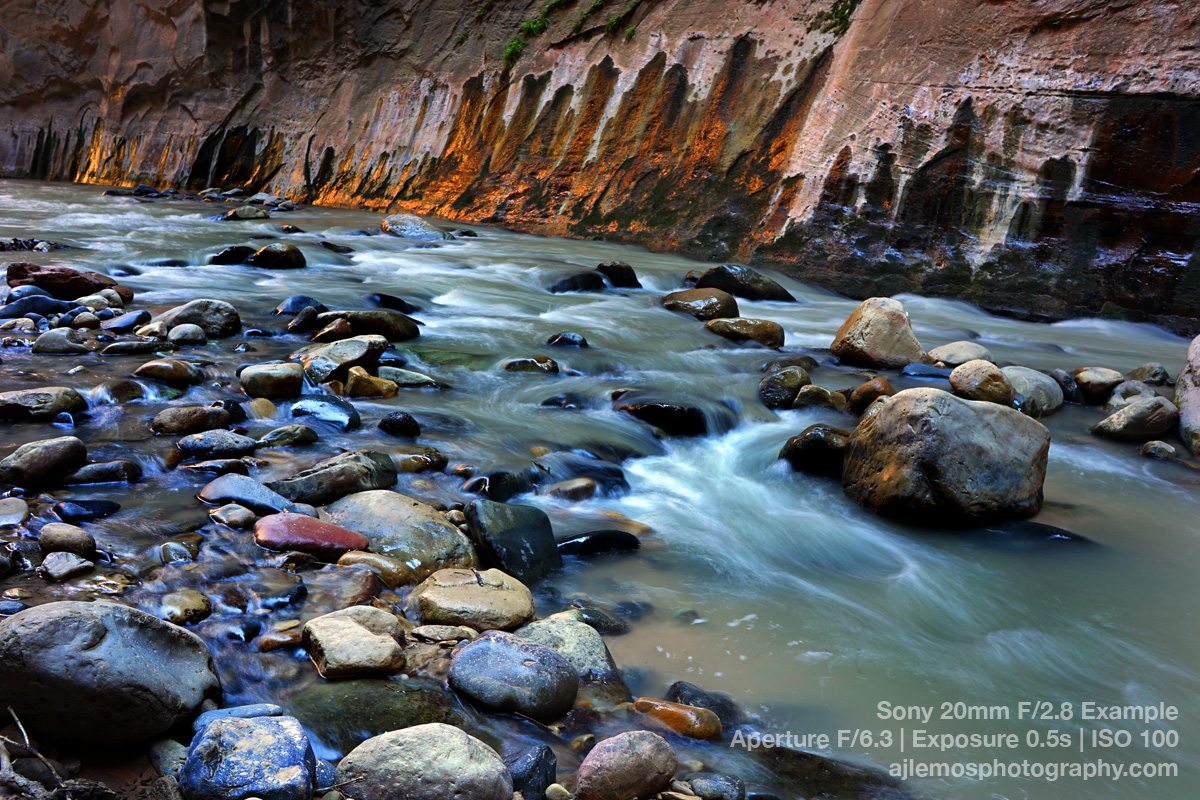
1034,393
405,529
63,282
629,766
878,334
266,757
43,463
743,282
40,404
424,762
360,640
218,318
1187,398
516,538
331,361
101,673
488,600
336,477
1139,421
278,255
930,456
507,673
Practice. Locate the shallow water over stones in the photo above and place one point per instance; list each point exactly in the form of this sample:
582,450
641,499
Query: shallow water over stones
750,579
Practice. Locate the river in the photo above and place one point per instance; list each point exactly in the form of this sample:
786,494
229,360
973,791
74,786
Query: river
767,584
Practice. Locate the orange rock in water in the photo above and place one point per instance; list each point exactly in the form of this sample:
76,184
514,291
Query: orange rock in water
697,723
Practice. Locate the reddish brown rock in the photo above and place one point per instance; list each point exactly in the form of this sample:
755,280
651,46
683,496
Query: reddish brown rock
289,531
63,282
690,721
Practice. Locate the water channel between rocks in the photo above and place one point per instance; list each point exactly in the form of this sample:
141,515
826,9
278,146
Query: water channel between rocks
806,608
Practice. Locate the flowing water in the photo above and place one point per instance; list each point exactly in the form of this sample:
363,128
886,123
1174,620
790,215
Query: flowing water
766,584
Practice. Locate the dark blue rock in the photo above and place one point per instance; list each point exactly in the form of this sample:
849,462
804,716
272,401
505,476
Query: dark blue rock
672,418
518,539
241,712
105,314
84,510
511,674
238,254
9,607
596,542
392,302
298,302
36,304
328,409
714,786
724,706
28,290
335,248
128,322
619,274
570,401
579,282
498,485
265,757
533,771
565,465
245,491
567,339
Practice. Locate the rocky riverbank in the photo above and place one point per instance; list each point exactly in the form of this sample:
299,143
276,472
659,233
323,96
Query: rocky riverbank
409,599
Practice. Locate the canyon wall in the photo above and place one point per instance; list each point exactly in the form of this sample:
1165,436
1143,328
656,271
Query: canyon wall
1038,157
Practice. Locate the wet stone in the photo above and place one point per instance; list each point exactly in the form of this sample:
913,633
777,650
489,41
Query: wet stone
505,673
57,567
59,537
265,757
84,510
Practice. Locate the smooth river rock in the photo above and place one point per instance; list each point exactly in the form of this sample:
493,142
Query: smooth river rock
43,463
425,762
629,766
1034,393
272,381
405,529
1187,398
101,673
981,380
703,304
878,334
480,599
505,673
356,641
183,420
743,282
516,538
289,531
217,318
40,404
600,681
744,329
1140,421
336,477
929,456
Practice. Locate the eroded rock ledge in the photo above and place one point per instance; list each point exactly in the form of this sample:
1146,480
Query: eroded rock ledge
1036,160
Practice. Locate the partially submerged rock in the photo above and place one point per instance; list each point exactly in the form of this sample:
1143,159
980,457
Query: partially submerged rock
878,334
930,456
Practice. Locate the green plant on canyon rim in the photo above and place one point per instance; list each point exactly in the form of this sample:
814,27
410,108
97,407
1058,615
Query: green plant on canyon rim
836,19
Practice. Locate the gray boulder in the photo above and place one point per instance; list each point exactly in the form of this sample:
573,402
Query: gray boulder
1140,421
60,341
332,361
1035,393
40,404
425,762
217,318
101,673
502,672
1187,398
410,226
930,456
600,682
405,529
43,463
216,444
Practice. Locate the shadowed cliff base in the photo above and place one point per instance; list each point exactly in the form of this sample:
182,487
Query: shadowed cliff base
954,151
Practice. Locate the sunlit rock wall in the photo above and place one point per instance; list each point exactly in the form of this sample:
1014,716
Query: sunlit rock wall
1039,157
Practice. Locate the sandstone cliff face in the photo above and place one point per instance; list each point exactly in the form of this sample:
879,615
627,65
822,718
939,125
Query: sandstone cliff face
1035,156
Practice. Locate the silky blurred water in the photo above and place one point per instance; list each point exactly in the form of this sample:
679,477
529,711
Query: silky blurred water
809,610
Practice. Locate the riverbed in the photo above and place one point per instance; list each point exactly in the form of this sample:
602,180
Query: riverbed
754,580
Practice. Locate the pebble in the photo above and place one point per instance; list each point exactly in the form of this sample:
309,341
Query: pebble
185,607
13,511
690,721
